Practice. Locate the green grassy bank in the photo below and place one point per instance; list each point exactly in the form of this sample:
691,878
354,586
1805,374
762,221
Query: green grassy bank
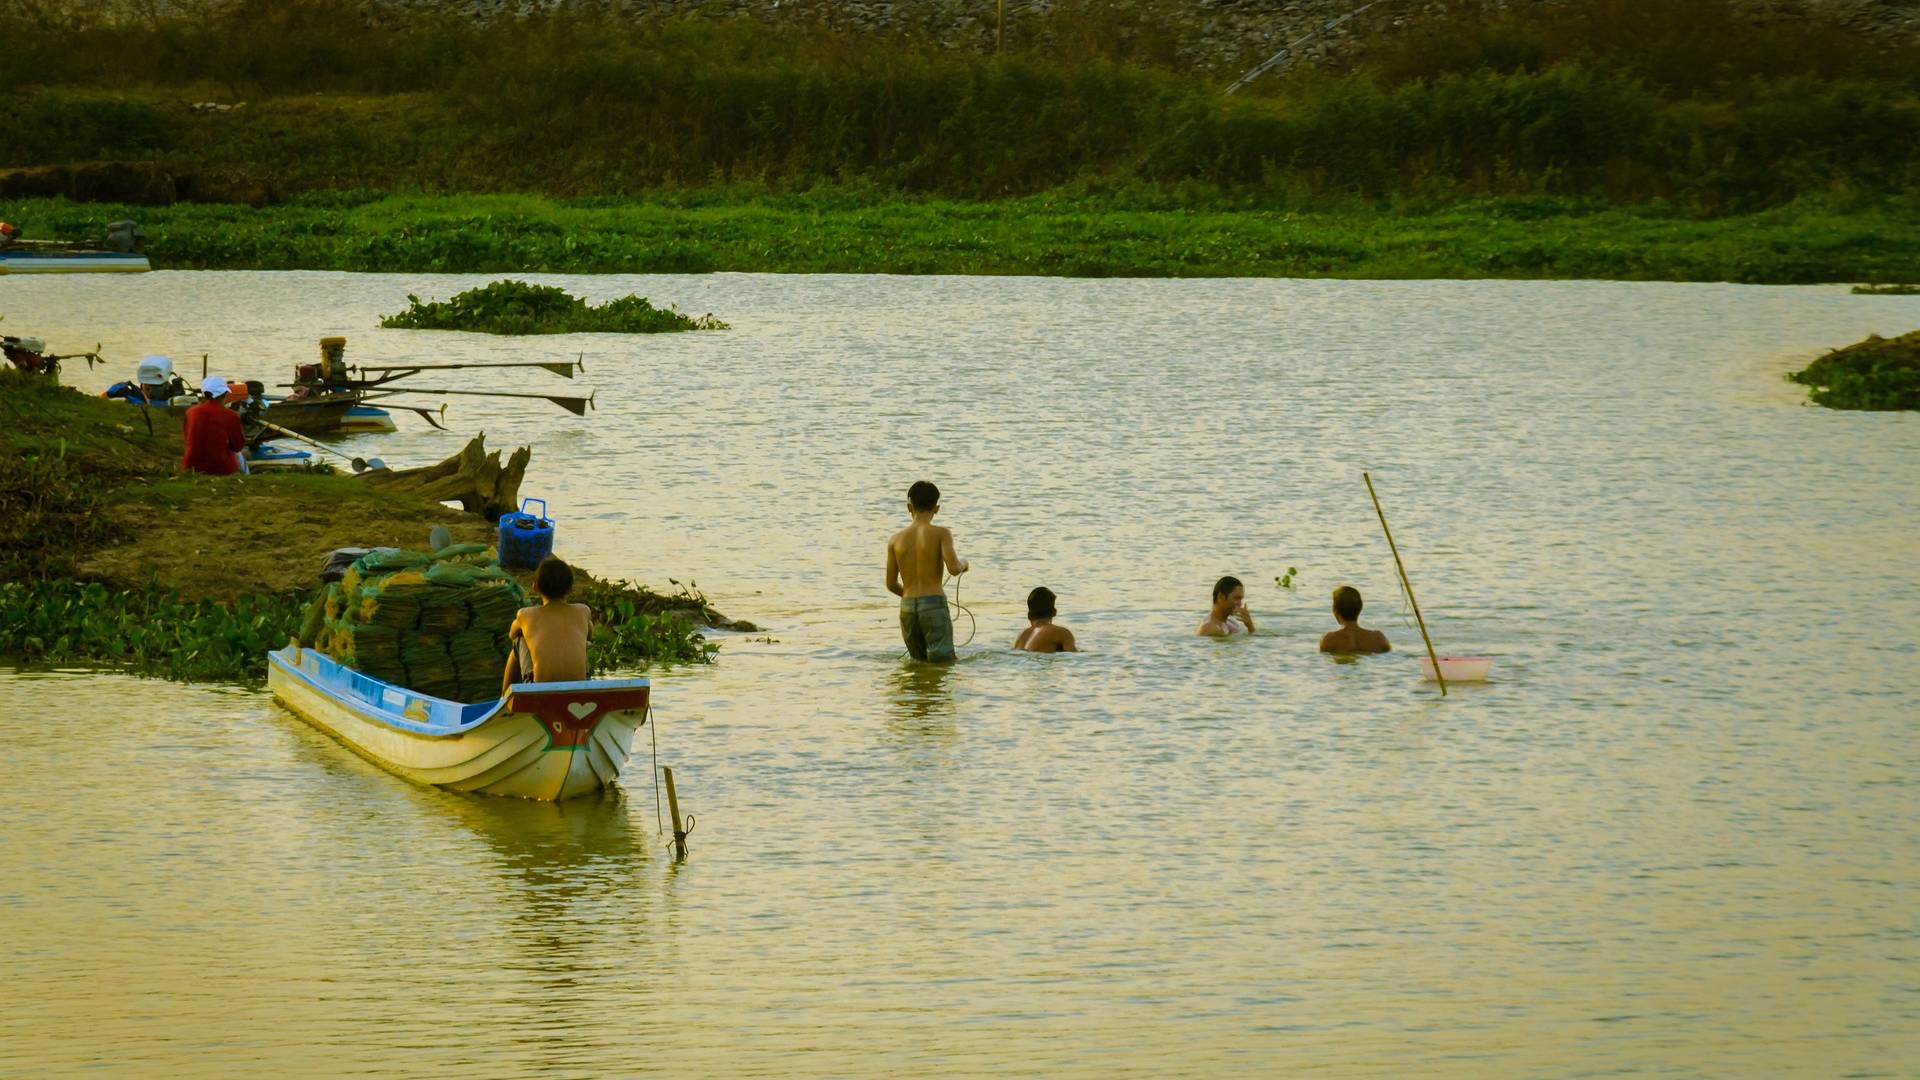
109,557
1508,238
1586,138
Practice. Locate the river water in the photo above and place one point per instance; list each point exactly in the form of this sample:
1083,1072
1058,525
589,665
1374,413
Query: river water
1678,833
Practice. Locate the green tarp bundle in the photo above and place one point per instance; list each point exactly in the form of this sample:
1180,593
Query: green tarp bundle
435,624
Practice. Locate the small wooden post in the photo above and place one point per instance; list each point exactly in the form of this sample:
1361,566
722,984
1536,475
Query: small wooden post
203,366
673,808
1439,675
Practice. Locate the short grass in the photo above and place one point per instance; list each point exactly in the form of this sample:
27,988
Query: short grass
838,232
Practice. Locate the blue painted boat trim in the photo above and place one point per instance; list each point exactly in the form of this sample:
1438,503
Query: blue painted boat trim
388,704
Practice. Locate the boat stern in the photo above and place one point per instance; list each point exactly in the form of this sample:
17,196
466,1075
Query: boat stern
591,722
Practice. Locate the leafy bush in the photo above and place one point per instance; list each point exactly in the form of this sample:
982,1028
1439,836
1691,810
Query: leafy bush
634,626
1878,374
1700,104
515,307
60,127
151,631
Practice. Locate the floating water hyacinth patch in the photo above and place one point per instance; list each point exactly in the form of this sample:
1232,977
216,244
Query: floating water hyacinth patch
515,307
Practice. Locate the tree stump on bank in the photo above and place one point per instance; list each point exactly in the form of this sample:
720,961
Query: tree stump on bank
473,477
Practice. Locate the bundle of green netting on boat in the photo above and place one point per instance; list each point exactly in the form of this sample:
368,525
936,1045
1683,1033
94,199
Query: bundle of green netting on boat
434,623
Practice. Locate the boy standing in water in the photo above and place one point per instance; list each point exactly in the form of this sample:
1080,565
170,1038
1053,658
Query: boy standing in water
555,633
915,558
1351,637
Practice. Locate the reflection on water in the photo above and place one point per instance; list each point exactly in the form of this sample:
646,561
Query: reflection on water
1674,834
918,699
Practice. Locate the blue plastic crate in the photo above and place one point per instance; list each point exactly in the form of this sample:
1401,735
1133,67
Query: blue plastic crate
525,538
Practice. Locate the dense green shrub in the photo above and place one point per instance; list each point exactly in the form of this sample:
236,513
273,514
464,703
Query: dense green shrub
635,626
515,307
66,126
1878,373
1698,104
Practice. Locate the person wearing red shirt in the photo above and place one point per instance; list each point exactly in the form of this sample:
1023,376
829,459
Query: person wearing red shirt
213,435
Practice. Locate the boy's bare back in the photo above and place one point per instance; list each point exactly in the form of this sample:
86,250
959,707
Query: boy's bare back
918,555
1354,639
556,636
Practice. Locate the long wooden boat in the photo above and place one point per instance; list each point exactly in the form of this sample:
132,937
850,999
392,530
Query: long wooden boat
52,260
546,741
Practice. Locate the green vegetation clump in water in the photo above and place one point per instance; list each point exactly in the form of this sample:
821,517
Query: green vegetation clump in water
515,307
635,625
152,631
1877,374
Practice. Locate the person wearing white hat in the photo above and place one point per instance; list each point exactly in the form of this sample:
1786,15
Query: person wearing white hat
213,435
153,383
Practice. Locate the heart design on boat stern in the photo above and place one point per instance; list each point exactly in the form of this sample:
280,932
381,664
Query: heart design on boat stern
582,709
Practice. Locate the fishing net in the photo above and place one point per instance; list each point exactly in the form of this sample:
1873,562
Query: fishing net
434,624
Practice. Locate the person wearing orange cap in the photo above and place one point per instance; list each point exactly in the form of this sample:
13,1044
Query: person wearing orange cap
213,433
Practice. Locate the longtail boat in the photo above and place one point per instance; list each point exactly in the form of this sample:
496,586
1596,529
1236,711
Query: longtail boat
546,741
331,395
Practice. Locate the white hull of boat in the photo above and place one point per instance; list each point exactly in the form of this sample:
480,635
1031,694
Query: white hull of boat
78,262
545,741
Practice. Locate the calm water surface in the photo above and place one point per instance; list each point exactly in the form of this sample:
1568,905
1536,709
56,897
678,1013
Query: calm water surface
1678,835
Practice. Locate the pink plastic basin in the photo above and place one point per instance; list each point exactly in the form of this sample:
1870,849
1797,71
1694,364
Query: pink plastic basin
1457,668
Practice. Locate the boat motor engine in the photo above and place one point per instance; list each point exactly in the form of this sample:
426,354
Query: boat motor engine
29,354
333,360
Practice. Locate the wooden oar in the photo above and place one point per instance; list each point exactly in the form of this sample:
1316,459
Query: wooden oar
576,405
359,464
1408,585
565,368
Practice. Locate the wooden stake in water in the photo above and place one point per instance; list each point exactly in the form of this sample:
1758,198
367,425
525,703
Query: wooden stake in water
673,809
1408,585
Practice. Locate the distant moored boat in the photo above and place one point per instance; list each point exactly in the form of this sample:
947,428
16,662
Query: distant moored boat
54,260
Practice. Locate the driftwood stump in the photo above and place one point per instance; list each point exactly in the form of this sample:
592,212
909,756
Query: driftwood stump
473,477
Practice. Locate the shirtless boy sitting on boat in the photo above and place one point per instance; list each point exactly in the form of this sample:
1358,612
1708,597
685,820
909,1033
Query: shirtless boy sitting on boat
1041,635
554,634
915,557
1351,638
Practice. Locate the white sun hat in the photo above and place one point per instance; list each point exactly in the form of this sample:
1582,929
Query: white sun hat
154,370
215,385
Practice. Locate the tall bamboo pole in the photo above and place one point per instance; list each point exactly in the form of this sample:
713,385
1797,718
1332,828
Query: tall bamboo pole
1408,585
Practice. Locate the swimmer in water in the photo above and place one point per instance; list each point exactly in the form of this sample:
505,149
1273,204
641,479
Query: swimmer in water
915,557
1229,615
1041,635
1352,638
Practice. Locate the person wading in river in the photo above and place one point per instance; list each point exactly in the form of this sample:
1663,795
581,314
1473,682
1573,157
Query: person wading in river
1352,638
915,557
1229,605
1041,635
